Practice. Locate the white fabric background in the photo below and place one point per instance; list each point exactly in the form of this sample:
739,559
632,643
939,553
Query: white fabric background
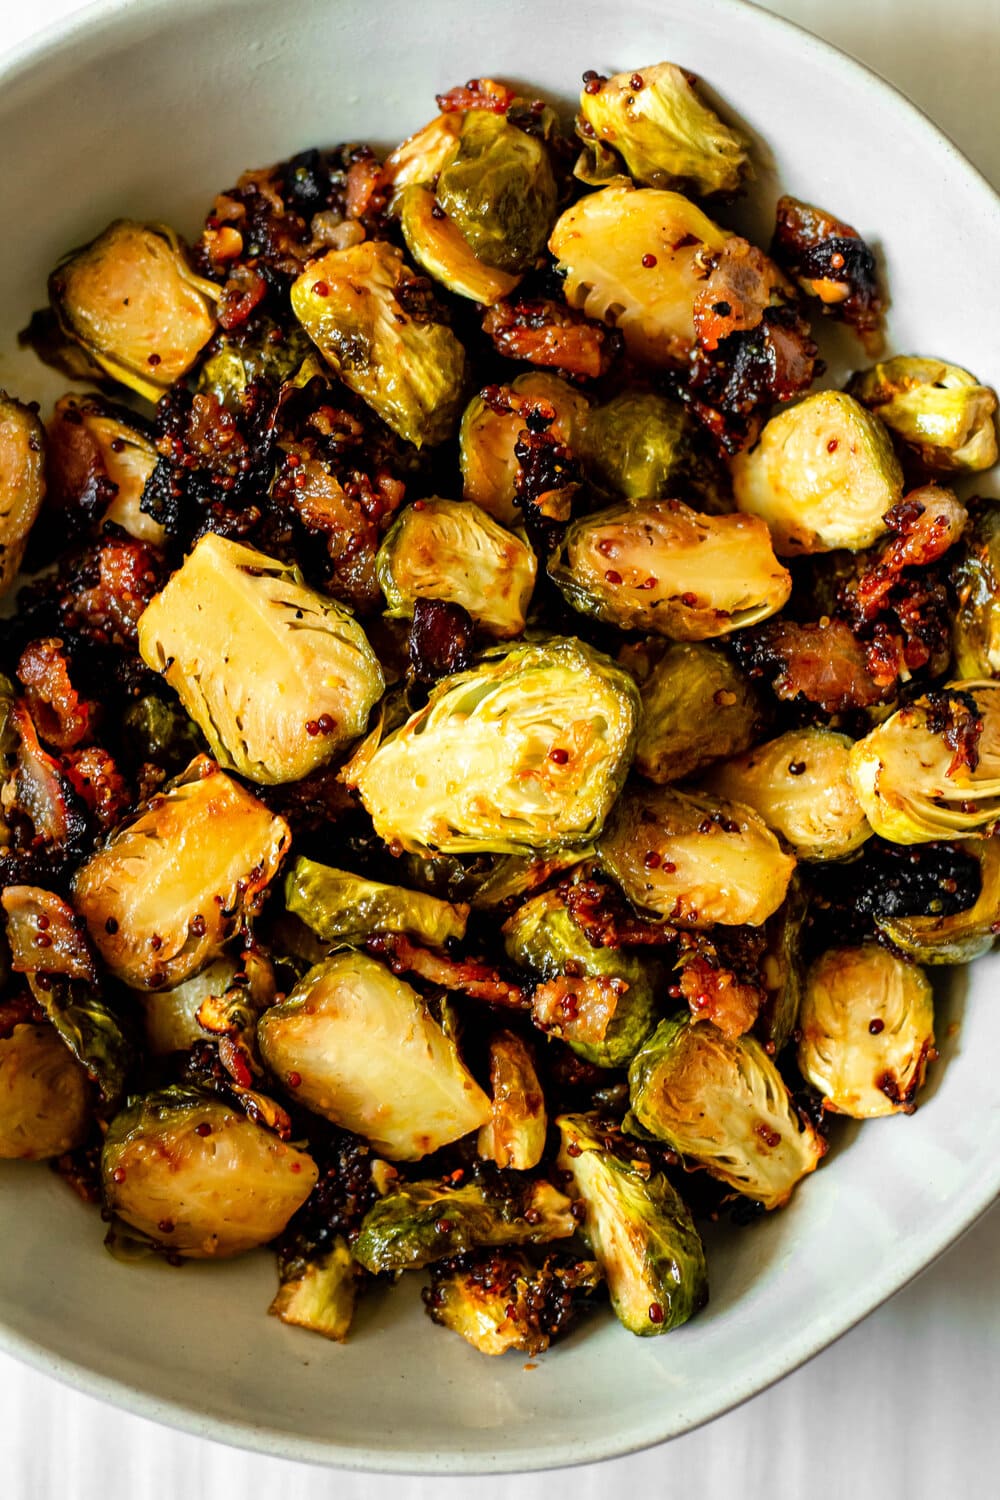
905,1405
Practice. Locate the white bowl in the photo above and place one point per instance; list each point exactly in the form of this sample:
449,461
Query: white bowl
147,109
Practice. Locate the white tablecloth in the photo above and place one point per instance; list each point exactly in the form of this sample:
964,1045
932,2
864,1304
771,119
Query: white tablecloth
908,1404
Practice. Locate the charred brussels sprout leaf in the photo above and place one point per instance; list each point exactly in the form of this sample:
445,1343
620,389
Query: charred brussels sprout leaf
655,119
44,1097
822,476
369,1056
452,550
634,443
525,752
420,1222
159,732
345,908
976,578
440,249
662,567
782,970
98,463
319,1294
722,1102
798,783
420,158
600,244
487,439
638,1227
514,1135
960,936
88,1027
500,1301
22,482
932,770
196,1192
695,860
938,409
410,370
272,354
277,677
598,1000
169,889
697,707
132,302
867,1031
499,191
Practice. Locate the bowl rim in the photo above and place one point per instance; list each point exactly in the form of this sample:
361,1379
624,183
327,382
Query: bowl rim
106,19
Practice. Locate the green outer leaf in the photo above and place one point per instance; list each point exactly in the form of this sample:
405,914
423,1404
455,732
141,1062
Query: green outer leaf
90,1030
345,908
500,192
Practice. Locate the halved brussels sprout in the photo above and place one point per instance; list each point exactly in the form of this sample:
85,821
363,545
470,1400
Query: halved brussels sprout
420,1222
722,1102
976,579
822,476
277,677
963,936
198,1178
452,550
169,889
499,191
932,770
939,409
668,136
501,1301
867,1031
171,1016
514,1135
410,370
269,352
319,1294
133,303
639,1229
525,752
697,707
440,249
94,452
661,566
345,908
599,1001
695,860
44,1095
487,438
636,258
798,783
633,444
420,158
359,1046
22,482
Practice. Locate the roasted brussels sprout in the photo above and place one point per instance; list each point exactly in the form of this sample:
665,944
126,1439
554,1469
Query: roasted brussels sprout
171,1016
932,770
420,158
976,579
487,438
440,249
822,476
697,707
169,889
940,410
44,1095
960,937
198,1178
514,1135
598,1000
798,783
359,1046
319,1294
638,1227
345,908
781,969
867,1031
500,1301
277,677
22,482
830,261
661,566
271,353
695,860
499,191
634,443
452,550
409,370
420,1222
161,732
636,258
722,1102
655,119
525,752
98,464
133,303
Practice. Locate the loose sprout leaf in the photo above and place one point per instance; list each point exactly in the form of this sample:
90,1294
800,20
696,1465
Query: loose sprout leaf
319,1295
500,192
940,410
22,482
866,1031
697,707
89,1028
976,579
44,1096
524,753
97,466
345,908
171,1016
277,677
440,249
958,936
420,158
514,1135
499,1301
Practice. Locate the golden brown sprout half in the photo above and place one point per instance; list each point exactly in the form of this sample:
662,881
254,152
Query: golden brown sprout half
487,439
44,1095
962,936
940,410
22,482
440,249
94,449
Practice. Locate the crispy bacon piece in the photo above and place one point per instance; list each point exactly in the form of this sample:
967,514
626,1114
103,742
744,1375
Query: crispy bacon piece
729,387
831,261
577,1009
77,482
478,93
19,1010
924,525
548,333
471,976
108,589
61,717
98,783
45,934
823,662
366,190
956,718
740,287
441,639
599,910
39,794
244,289
714,993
